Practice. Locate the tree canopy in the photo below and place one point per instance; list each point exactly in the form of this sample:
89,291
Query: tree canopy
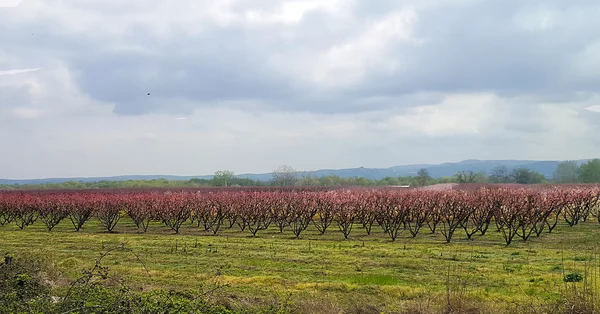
223,177
590,171
567,172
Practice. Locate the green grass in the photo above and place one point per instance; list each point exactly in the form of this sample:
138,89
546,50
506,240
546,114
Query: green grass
368,269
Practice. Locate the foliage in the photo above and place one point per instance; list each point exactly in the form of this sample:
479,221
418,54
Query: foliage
422,177
567,172
223,178
526,176
590,171
23,289
573,277
500,174
286,176
367,270
470,177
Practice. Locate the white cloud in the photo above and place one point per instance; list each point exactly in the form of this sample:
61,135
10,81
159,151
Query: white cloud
594,108
9,3
456,115
27,113
161,18
12,72
348,62
292,12
564,133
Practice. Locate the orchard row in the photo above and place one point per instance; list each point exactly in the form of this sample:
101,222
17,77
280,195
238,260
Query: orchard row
514,212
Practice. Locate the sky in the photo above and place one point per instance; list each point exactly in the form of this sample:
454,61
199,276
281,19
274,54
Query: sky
188,87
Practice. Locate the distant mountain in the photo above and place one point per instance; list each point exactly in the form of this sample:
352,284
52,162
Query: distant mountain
446,169
442,170
98,179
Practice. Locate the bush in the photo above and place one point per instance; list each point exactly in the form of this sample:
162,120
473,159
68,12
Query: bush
22,288
573,277
99,299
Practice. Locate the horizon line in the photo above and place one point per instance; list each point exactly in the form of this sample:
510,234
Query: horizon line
162,176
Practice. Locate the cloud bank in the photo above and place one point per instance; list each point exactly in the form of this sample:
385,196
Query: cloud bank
154,86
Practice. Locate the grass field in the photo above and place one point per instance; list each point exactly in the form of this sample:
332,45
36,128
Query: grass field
322,271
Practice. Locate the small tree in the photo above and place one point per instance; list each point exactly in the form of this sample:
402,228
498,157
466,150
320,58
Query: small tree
470,177
590,171
309,179
526,176
500,175
465,176
423,177
284,176
567,172
223,177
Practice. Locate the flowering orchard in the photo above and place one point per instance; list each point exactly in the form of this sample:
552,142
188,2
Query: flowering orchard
514,212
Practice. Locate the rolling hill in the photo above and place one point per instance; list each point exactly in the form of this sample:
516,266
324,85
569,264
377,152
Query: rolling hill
440,170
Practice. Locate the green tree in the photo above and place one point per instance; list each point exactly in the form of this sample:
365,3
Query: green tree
481,177
364,182
198,182
390,181
465,176
567,172
423,177
74,185
308,179
470,177
526,176
223,177
500,174
590,171
446,179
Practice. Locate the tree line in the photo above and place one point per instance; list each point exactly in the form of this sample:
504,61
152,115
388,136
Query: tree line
572,172
569,171
566,172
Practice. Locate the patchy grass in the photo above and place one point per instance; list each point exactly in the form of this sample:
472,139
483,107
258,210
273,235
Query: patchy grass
322,269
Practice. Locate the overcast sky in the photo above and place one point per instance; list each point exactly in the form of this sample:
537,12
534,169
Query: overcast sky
249,85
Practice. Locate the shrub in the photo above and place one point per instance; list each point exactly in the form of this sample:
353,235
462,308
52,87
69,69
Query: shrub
573,277
22,288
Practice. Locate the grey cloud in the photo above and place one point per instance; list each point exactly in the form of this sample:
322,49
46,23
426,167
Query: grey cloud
469,46
14,96
499,80
125,79
477,47
524,128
